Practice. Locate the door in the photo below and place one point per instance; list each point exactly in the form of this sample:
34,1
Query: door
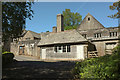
43,53
80,52
21,50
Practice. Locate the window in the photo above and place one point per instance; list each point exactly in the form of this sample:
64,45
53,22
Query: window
59,47
116,33
88,18
55,48
84,35
64,48
37,38
68,48
112,34
27,38
97,35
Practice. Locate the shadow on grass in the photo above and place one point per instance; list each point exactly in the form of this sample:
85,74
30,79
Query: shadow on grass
38,69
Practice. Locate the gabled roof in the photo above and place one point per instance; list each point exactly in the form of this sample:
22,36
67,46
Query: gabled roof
34,34
95,19
62,37
23,33
91,24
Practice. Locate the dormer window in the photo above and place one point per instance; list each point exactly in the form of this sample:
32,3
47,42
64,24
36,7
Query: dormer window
112,34
97,35
88,18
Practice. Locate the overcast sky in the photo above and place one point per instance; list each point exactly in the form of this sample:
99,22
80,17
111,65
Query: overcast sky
45,14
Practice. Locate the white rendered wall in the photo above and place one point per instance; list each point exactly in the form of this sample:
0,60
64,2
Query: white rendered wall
80,51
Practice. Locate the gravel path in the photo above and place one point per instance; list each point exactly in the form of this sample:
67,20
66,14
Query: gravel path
39,69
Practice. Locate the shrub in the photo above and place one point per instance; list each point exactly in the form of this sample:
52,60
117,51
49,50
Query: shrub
104,67
7,57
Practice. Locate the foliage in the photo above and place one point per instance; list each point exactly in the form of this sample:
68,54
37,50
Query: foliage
104,67
14,15
47,31
71,20
6,52
7,57
116,49
70,27
115,6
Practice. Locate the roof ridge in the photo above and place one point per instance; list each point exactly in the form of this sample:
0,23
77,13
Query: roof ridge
33,32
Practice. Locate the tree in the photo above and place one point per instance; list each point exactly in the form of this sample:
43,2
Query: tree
115,6
71,20
14,15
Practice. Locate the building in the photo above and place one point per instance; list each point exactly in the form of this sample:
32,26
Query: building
90,39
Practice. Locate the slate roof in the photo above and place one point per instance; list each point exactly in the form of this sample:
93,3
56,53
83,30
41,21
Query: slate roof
113,29
71,36
34,34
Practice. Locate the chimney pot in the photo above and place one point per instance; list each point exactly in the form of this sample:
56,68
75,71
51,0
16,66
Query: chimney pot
54,29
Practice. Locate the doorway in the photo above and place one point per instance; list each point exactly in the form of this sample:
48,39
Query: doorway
43,53
21,50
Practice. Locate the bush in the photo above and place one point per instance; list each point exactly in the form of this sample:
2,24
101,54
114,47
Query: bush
104,67
7,57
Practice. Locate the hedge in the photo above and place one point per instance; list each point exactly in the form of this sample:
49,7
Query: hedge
104,67
7,57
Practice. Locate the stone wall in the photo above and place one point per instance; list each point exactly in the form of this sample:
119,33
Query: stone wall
50,54
73,54
28,35
14,48
30,47
89,22
101,46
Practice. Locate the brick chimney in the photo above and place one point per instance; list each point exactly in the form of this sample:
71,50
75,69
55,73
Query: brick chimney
54,29
60,23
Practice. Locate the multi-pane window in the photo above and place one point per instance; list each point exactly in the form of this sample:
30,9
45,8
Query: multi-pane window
59,47
112,34
62,48
97,35
68,48
55,48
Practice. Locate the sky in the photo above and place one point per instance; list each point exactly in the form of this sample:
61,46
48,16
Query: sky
45,14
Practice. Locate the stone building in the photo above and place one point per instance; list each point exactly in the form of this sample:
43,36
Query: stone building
27,44
90,39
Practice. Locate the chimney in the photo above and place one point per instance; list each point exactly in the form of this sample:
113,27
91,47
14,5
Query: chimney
60,23
54,29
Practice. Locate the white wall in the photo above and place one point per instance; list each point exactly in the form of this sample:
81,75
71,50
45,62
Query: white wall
81,51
